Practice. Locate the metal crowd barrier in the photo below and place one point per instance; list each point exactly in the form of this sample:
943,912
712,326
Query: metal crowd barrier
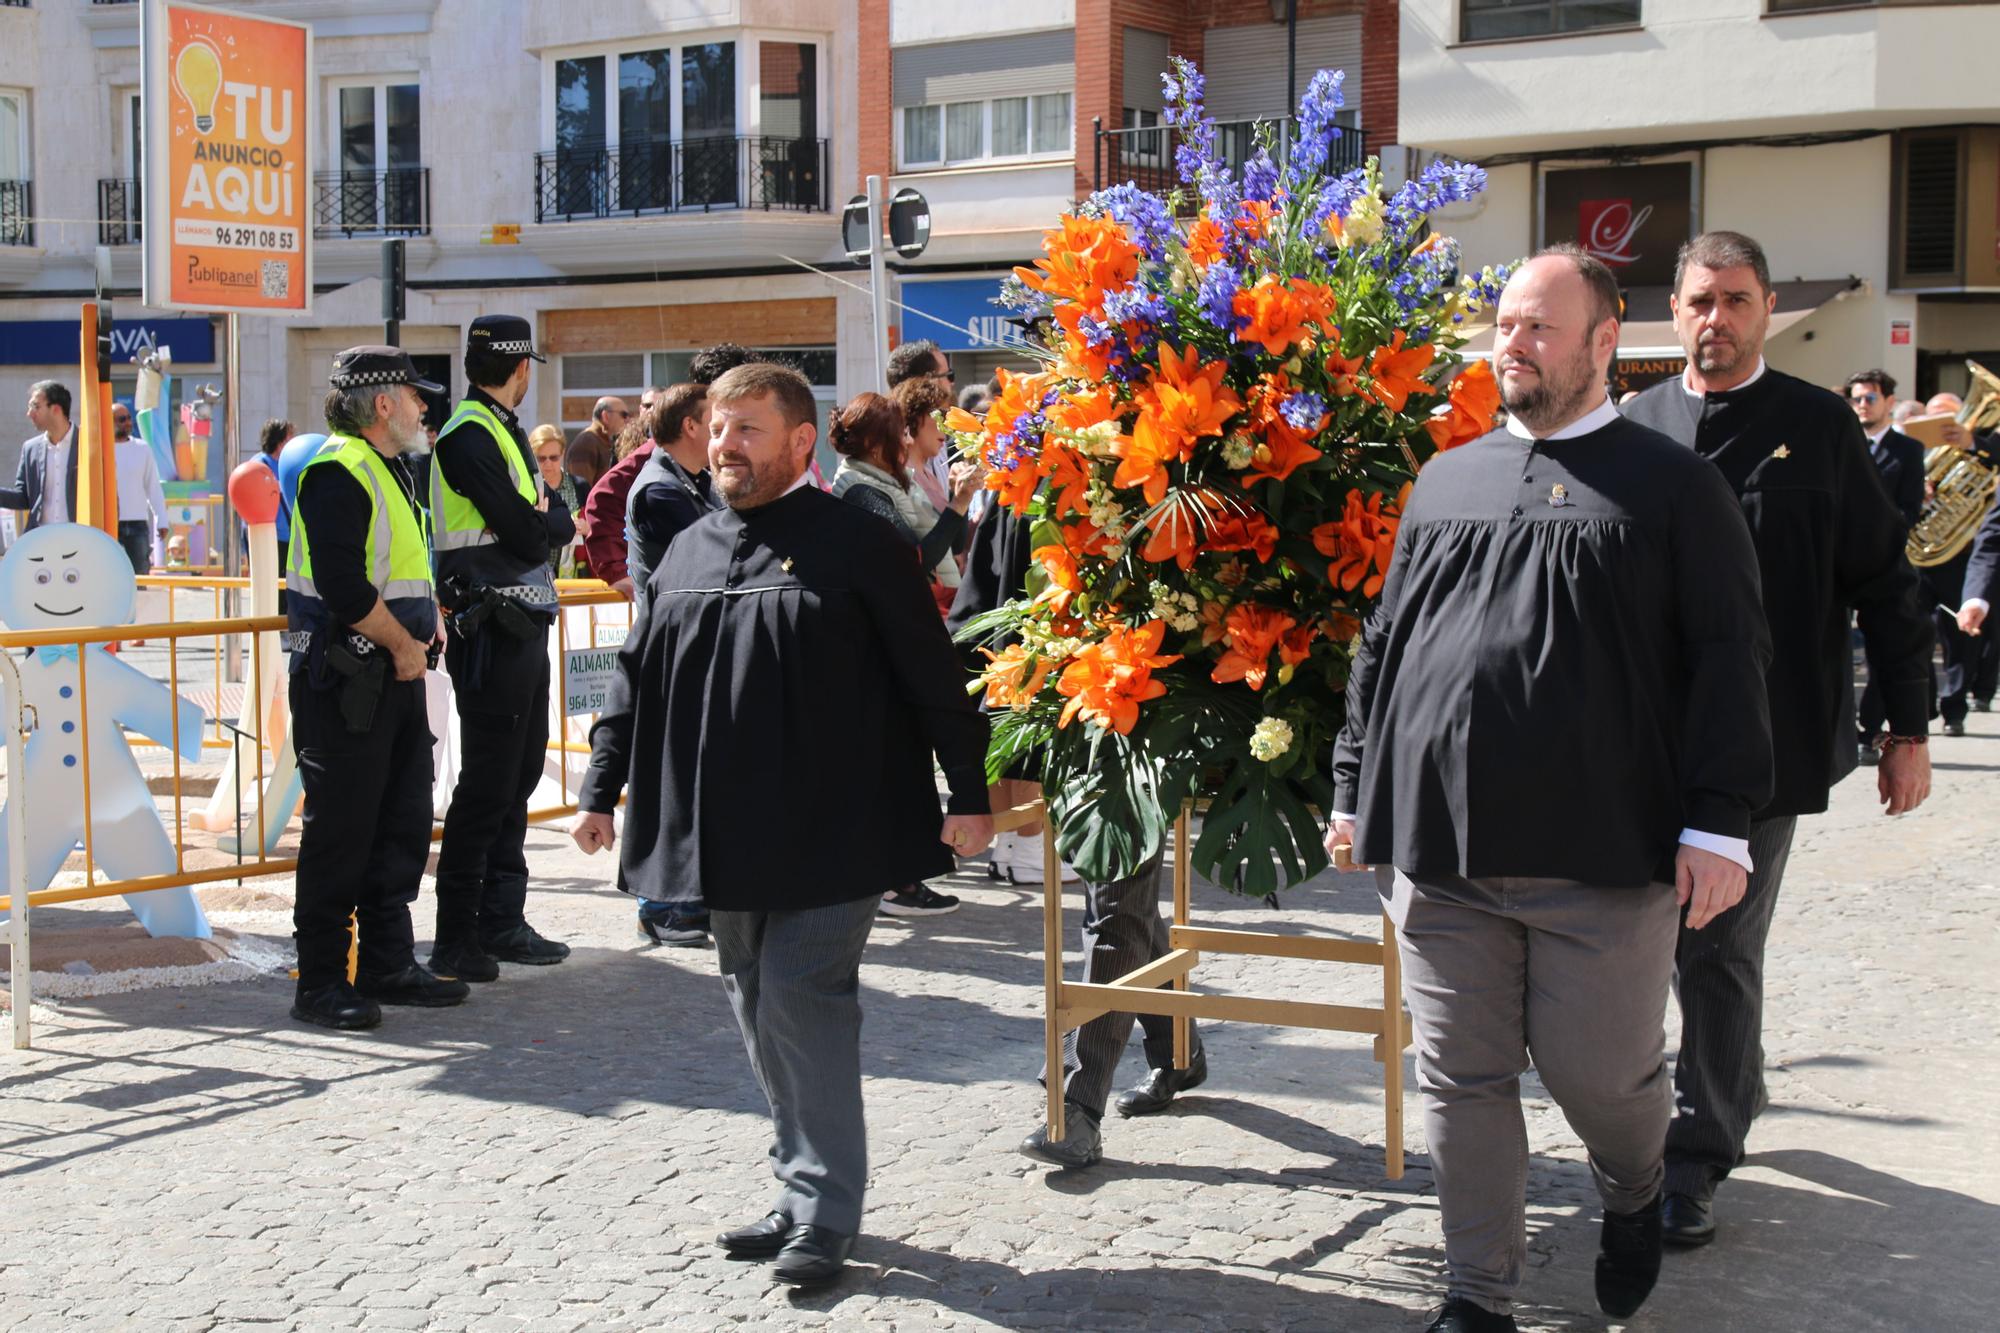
588,609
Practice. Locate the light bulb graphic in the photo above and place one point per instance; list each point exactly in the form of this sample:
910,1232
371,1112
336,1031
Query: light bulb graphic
198,74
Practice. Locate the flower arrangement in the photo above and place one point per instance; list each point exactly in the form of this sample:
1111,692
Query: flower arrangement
1213,458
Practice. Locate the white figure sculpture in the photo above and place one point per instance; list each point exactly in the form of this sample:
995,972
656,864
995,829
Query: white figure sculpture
67,576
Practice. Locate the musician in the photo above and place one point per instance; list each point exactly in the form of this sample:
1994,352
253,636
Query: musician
1945,587
1829,545
1899,461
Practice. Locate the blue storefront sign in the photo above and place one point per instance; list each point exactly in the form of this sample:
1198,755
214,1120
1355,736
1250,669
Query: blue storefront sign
58,342
963,316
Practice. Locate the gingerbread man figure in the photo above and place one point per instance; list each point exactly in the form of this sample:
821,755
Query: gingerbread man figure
67,576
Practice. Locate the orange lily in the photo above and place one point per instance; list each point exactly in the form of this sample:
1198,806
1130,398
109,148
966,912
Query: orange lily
1204,242
1254,219
1361,542
1398,372
1086,258
1243,532
1281,314
1064,582
1013,678
1251,631
1185,402
1068,477
1285,449
1107,681
1475,397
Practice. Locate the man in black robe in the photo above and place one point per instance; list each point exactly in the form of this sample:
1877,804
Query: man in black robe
775,713
1829,547
1556,732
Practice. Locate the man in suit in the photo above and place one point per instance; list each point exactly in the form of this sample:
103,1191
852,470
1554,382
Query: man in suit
1899,461
1829,551
51,451
718,722
1945,587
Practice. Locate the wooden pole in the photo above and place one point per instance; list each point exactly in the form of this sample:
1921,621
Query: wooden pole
1052,982
1183,883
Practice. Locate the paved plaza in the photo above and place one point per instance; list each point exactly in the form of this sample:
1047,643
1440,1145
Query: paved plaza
558,1153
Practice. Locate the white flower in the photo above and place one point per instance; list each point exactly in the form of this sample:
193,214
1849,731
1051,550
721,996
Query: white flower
1363,226
1271,738
1238,451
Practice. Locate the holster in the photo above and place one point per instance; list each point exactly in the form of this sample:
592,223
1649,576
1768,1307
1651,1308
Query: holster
362,680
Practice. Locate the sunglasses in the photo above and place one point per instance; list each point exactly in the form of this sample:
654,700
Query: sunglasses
1869,398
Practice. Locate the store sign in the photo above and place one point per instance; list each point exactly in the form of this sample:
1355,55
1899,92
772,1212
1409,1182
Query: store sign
1634,218
229,122
1899,333
963,315
1636,374
587,674
54,342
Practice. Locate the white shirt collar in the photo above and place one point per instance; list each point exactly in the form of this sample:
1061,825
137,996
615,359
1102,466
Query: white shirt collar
1687,380
1875,437
1594,420
62,443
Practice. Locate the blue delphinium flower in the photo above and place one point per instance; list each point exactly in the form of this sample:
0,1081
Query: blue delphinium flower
1135,303
1146,214
1260,176
1217,295
1335,198
1302,411
1442,182
1317,130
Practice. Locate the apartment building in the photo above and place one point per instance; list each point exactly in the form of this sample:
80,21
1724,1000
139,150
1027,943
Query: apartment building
1004,115
634,176
1857,139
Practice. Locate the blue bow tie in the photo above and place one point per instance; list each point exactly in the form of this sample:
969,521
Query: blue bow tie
55,652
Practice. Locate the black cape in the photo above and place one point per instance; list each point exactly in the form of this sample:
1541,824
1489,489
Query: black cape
1558,689
1830,546
776,709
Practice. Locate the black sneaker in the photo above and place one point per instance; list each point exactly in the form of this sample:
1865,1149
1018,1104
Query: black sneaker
523,944
1628,1259
1982,705
463,962
413,985
1955,728
918,900
336,1005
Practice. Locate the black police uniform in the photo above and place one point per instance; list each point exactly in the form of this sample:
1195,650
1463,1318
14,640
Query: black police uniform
498,659
363,744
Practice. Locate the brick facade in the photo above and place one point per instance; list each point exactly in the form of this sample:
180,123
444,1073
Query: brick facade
1100,57
875,143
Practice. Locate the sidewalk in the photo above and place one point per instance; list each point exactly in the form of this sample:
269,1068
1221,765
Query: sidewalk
558,1153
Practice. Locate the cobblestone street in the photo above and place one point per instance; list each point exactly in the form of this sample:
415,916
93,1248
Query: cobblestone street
559,1152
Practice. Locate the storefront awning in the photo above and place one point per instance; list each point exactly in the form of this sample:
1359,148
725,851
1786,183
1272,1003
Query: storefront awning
1648,330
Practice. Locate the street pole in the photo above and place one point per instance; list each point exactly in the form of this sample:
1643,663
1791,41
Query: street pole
232,418
878,282
392,291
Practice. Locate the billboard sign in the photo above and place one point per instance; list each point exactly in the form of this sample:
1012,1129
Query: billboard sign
228,108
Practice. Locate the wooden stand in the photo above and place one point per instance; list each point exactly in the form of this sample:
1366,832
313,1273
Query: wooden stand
1068,1005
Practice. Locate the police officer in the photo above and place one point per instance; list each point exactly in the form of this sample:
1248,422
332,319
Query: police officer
362,623
494,523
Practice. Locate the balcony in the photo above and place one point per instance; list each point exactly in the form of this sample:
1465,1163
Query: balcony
701,175
1145,156
396,202
118,212
17,212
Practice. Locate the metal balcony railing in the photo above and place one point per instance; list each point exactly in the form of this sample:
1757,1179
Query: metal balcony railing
1146,156
396,202
689,176
118,212
17,212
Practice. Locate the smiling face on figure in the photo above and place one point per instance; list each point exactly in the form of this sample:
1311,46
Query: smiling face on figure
65,576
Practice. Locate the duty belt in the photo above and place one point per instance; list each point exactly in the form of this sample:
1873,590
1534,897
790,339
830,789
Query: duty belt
531,594
301,640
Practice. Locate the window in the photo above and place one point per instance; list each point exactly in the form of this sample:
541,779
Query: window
377,142
1491,20
16,193
1001,128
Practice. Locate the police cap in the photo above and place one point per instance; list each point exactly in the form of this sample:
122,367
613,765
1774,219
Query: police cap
369,366
503,335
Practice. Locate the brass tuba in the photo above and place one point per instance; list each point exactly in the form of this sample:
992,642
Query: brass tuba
1961,485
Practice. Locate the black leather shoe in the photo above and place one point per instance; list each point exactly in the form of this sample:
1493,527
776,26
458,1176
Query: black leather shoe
812,1257
761,1239
1082,1144
336,1005
523,944
1157,1093
1628,1260
1462,1316
1955,728
1686,1221
414,985
464,962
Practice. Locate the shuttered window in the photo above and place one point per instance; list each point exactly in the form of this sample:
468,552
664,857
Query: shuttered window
996,99
1246,65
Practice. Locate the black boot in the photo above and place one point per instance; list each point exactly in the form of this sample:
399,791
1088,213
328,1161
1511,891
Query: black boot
336,1005
1628,1260
413,985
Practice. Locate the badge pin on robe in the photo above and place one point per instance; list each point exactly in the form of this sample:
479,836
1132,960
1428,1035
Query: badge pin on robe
1782,451
786,564
1558,496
